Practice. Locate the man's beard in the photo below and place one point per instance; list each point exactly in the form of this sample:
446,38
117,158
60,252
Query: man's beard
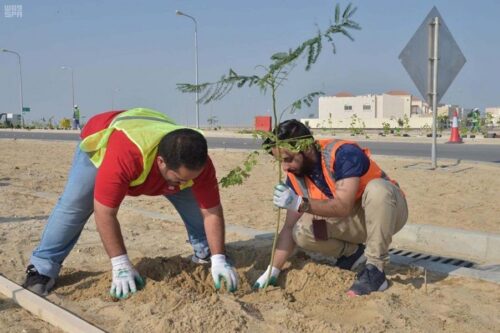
306,168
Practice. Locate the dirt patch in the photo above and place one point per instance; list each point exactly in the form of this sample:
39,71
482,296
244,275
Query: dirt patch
310,297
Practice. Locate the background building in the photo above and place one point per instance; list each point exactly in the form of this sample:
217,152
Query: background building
495,112
374,110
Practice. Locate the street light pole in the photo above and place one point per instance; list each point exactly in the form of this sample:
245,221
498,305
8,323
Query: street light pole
72,85
20,80
179,13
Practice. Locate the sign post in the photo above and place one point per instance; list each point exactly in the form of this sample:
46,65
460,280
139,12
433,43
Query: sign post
25,109
433,59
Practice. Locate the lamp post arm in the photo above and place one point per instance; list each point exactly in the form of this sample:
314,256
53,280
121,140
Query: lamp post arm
73,87
196,63
21,101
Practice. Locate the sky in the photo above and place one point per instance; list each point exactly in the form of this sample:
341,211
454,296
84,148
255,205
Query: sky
127,54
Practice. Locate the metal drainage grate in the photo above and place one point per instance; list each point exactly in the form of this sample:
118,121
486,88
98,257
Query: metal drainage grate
436,259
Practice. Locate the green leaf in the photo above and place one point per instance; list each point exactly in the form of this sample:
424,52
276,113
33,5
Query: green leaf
279,56
213,91
281,62
237,175
347,10
345,33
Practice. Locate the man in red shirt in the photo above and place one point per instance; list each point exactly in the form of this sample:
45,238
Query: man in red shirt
134,152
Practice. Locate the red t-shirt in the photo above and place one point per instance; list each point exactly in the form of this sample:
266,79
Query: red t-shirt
123,163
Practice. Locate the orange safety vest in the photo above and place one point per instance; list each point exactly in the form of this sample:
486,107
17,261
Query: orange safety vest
305,187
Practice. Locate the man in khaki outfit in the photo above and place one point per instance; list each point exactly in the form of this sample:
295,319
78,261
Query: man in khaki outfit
339,203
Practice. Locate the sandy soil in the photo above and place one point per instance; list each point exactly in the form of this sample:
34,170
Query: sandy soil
13,318
179,295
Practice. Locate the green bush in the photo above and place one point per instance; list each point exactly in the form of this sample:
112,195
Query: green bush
386,128
463,129
406,124
426,129
357,126
65,123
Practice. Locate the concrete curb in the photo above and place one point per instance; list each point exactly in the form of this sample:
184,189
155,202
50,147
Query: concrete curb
46,310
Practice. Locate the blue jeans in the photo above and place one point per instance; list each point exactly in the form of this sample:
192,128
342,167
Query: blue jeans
75,206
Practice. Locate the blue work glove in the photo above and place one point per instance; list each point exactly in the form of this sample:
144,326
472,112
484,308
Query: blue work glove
125,278
273,279
223,270
285,197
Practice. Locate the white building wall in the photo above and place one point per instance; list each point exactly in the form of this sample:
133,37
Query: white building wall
419,107
372,109
336,108
495,111
407,105
394,106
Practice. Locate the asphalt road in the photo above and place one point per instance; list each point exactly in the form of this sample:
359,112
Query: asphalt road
472,152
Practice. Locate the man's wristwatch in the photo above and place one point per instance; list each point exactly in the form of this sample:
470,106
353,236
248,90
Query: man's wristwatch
305,205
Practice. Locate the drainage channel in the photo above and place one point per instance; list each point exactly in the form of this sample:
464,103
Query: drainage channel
446,265
412,255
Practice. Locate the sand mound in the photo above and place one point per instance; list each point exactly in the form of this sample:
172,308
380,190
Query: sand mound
183,275
159,272
310,296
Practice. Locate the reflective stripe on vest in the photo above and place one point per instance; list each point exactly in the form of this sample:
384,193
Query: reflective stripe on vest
304,186
144,127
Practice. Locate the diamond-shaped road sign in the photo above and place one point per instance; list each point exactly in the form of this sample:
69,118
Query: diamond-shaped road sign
415,57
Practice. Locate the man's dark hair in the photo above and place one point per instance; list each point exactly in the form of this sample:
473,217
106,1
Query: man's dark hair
184,147
289,129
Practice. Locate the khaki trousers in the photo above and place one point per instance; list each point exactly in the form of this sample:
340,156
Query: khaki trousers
380,213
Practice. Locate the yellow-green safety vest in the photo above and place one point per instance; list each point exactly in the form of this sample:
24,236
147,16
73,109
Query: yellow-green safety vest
144,127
